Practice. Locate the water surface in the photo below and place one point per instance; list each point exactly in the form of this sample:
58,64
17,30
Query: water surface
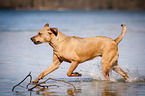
19,56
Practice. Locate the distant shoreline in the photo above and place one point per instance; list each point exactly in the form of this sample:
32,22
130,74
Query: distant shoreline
66,5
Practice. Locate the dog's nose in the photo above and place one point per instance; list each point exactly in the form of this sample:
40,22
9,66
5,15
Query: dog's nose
31,38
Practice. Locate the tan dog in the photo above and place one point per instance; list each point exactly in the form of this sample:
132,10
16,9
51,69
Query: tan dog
76,50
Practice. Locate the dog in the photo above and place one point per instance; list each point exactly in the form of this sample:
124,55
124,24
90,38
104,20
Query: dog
76,50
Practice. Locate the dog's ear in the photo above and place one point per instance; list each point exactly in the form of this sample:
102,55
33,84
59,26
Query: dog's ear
46,25
54,31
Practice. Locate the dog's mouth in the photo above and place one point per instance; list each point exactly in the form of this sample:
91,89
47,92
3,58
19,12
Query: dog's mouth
38,42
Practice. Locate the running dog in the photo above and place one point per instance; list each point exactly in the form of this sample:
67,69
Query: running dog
76,50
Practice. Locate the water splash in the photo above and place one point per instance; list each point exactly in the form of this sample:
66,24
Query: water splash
96,74
134,76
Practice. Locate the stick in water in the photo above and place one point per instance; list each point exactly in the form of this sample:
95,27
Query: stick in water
23,81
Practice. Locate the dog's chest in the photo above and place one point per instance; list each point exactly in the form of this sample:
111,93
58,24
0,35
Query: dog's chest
63,57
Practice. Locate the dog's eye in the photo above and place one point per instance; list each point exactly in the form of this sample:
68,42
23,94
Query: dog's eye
40,34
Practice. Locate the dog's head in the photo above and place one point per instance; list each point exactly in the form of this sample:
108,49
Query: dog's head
45,35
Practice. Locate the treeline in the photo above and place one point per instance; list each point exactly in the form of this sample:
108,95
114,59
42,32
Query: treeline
73,4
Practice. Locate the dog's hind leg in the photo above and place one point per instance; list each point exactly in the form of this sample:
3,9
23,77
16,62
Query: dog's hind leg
117,69
105,70
108,59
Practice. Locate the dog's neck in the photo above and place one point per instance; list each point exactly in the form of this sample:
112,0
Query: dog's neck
57,39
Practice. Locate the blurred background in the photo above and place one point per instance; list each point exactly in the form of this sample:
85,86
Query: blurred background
73,4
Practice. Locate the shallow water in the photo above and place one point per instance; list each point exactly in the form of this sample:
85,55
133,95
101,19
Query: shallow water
19,56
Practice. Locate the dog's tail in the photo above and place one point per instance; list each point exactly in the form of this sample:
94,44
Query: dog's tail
117,40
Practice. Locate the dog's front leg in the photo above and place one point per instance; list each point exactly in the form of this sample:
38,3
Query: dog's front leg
73,66
52,67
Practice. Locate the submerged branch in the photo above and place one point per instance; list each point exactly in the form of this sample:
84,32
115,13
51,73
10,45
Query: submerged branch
23,81
60,81
38,85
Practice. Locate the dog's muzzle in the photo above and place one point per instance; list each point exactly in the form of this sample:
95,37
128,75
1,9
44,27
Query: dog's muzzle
35,42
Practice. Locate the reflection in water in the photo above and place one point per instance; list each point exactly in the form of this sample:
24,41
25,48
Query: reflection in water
70,92
108,91
92,88
96,89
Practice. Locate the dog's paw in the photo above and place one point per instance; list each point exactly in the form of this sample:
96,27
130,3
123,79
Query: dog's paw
76,74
